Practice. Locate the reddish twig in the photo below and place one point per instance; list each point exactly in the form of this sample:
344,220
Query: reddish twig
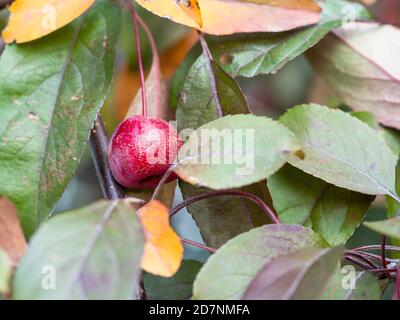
198,245
383,252
360,256
139,55
242,194
99,140
357,262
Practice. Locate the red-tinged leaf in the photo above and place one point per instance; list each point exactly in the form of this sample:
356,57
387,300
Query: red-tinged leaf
361,64
300,275
12,239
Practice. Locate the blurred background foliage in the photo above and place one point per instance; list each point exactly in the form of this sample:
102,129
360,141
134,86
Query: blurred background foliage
267,95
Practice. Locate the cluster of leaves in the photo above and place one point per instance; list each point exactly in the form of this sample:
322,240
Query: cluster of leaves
319,168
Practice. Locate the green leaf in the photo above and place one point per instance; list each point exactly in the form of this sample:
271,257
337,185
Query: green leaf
264,53
366,287
391,136
50,93
342,150
332,212
90,253
180,75
219,218
229,271
235,151
179,287
392,139
361,65
299,275
390,227
201,101
6,270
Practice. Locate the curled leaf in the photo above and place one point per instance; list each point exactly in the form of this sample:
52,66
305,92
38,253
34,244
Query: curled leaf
163,251
31,20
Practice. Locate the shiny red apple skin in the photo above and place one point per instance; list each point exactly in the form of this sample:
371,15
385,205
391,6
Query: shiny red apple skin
141,150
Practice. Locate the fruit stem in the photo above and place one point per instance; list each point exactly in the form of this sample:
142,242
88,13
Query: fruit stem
198,245
271,215
139,55
163,180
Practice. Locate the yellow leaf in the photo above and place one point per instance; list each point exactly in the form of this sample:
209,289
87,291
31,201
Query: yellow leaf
192,9
163,251
221,17
32,19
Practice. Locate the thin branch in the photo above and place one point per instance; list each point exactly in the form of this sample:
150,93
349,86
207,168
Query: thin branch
383,252
198,245
163,180
380,270
2,46
374,257
139,55
99,141
99,146
360,256
357,262
242,194
376,247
